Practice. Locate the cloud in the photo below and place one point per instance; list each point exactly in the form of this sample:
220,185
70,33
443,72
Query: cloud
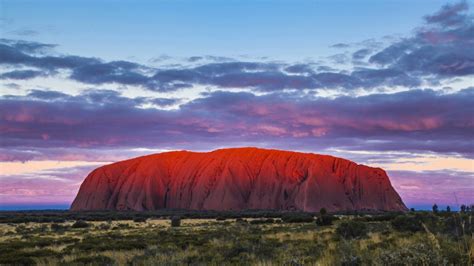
51,185
22,74
449,15
340,45
418,120
429,187
439,50
47,95
165,101
300,69
28,46
361,54
24,32
442,48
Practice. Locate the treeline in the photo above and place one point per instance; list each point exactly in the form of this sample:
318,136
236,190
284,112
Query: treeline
58,216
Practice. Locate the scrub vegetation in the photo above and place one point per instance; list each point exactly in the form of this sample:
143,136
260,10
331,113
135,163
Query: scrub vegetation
174,237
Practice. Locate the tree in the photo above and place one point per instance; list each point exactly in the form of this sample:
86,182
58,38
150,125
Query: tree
175,221
412,209
448,209
463,208
323,211
435,208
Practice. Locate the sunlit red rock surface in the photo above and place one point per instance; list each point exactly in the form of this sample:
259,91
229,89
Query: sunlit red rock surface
237,179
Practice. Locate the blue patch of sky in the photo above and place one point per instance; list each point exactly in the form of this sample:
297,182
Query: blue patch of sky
286,30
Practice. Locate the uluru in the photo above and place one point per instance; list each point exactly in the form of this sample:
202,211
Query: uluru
237,179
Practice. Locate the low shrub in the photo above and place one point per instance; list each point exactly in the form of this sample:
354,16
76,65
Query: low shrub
139,219
240,220
262,221
104,226
21,257
175,221
325,220
412,254
407,223
351,229
57,227
92,260
80,224
295,217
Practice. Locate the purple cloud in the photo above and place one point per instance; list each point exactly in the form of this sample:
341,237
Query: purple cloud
47,186
418,120
448,187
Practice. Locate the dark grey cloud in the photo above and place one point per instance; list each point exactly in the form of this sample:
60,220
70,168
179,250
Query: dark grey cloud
449,15
340,45
339,59
386,77
262,76
195,58
163,102
300,69
17,54
361,54
28,46
47,95
121,72
22,74
442,48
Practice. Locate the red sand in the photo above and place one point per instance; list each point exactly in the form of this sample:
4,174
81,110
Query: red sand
237,179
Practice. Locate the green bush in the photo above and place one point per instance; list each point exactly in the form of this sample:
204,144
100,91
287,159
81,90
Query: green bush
453,253
262,221
8,259
57,227
323,211
108,242
325,220
241,221
407,223
80,224
104,226
413,254
92,260
175,221
139,219
351,229
297,217
14,256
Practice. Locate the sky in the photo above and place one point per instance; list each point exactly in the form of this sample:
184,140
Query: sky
383,83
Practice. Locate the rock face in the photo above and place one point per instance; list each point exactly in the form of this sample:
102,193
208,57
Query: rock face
237,179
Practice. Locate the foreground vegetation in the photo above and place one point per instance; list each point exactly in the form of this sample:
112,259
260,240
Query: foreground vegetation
252,237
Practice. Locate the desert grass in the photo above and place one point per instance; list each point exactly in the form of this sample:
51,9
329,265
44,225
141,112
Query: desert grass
223,242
